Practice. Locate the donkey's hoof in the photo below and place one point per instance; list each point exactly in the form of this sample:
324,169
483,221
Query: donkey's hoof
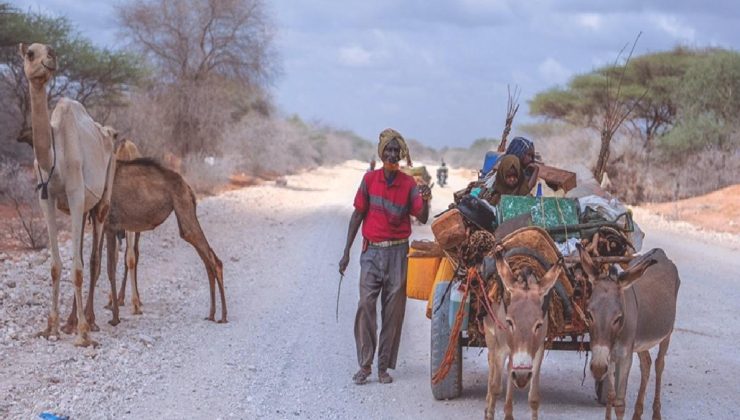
222,321
114,321
93,326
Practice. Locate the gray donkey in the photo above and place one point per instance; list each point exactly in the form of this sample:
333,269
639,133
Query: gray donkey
632,311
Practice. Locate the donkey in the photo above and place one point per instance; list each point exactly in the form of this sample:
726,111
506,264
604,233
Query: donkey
523,338
632,311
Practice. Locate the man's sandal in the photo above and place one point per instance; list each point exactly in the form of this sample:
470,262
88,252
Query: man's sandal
360,378
384,377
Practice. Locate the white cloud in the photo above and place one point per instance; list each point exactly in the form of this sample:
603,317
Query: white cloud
674,27
553,72
354,56
591,21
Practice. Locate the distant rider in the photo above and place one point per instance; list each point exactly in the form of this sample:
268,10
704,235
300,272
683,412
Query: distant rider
442,174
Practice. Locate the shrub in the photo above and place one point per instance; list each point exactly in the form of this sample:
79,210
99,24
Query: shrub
17,188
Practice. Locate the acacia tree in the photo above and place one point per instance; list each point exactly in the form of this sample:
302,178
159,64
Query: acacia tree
98,78
649,82
709,110
212,59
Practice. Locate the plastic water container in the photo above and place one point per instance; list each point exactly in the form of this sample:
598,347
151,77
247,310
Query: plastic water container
456,299
489,161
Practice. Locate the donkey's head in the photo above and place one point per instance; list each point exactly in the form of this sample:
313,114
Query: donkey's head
526,315
606,309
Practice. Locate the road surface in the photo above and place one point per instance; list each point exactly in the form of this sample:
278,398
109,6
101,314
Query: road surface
283,355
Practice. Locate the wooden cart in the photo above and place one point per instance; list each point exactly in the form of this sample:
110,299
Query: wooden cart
571,333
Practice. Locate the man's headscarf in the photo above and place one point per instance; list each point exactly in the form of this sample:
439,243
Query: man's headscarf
519,146
389,134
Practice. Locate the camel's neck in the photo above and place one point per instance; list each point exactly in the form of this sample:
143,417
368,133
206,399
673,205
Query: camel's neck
41,126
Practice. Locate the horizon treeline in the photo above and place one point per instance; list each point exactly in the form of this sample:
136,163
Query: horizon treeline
196,91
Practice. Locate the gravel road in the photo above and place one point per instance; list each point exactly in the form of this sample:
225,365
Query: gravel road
283,355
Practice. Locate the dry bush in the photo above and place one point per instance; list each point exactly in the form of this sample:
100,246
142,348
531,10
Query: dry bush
207,174
142,123
565,146
265,145
17,189
268,145
639,178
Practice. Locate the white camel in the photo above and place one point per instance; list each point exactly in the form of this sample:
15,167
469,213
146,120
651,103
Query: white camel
75,165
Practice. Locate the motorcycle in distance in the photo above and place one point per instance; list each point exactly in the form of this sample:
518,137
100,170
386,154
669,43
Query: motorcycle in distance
442,175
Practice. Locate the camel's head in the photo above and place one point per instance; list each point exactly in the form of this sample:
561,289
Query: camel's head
107,131
39,62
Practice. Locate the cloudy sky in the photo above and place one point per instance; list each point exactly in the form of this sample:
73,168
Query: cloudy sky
438,70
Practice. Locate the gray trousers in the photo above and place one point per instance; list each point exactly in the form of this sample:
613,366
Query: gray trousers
381,270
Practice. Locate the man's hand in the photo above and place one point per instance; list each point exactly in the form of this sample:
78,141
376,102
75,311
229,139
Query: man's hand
426,192
343,263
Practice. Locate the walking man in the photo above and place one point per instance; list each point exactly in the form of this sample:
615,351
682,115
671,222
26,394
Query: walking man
383,203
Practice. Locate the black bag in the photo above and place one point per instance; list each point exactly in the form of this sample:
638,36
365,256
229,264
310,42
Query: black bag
478,212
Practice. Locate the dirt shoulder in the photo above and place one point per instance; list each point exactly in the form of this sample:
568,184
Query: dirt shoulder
718,211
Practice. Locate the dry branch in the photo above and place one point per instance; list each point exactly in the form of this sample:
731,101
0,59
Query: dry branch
512,106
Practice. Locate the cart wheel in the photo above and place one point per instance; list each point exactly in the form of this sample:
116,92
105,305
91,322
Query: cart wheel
451,386
601,391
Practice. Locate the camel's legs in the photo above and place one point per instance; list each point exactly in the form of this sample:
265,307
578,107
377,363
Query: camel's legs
48,208
132,262
645,363
76,210
112,244
191,232
659,365
122,290
71,325
95,256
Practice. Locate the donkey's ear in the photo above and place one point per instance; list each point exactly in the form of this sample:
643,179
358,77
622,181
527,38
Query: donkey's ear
550,278
591,270
504,271
22,49
632,274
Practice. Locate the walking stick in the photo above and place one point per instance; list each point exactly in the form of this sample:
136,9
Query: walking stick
339,288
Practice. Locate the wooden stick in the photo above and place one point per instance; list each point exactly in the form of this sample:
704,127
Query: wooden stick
599,260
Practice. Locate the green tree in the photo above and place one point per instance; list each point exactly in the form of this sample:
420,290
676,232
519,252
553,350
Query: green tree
648,87
98,78
709,103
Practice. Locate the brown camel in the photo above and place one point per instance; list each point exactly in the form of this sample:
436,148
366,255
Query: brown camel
144,195
74,164
126,150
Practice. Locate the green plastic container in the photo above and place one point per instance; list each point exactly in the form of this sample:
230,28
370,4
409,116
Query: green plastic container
547,212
